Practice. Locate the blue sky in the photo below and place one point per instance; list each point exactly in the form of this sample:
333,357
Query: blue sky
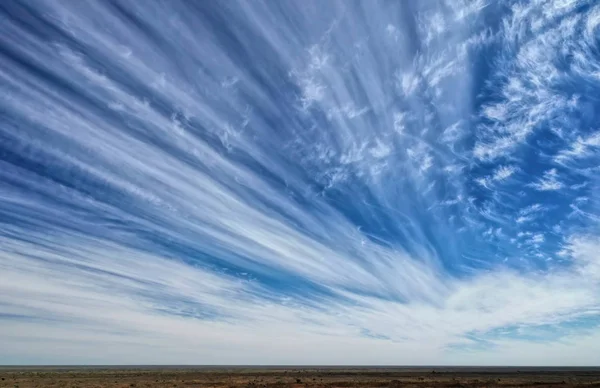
286,182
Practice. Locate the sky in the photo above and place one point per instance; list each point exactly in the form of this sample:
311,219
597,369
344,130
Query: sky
300,182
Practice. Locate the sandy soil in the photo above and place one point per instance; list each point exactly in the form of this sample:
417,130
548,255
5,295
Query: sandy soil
294,377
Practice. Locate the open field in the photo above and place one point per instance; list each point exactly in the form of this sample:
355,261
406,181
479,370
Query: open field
295,377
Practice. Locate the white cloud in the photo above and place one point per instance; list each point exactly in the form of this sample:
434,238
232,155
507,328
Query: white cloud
504,172
528,76
549,182
408,83
500,174
581,147
529,213
522,219
127,298
537,238
421,158
535,208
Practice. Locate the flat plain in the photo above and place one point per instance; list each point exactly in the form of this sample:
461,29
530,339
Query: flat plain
295,377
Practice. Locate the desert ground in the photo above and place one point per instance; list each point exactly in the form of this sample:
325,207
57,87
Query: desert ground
298,377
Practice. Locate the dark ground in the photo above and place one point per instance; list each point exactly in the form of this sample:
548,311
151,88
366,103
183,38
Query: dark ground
295,377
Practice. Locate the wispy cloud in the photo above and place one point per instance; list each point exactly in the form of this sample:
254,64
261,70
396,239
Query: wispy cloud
581,147
503,172
549,182
529,213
